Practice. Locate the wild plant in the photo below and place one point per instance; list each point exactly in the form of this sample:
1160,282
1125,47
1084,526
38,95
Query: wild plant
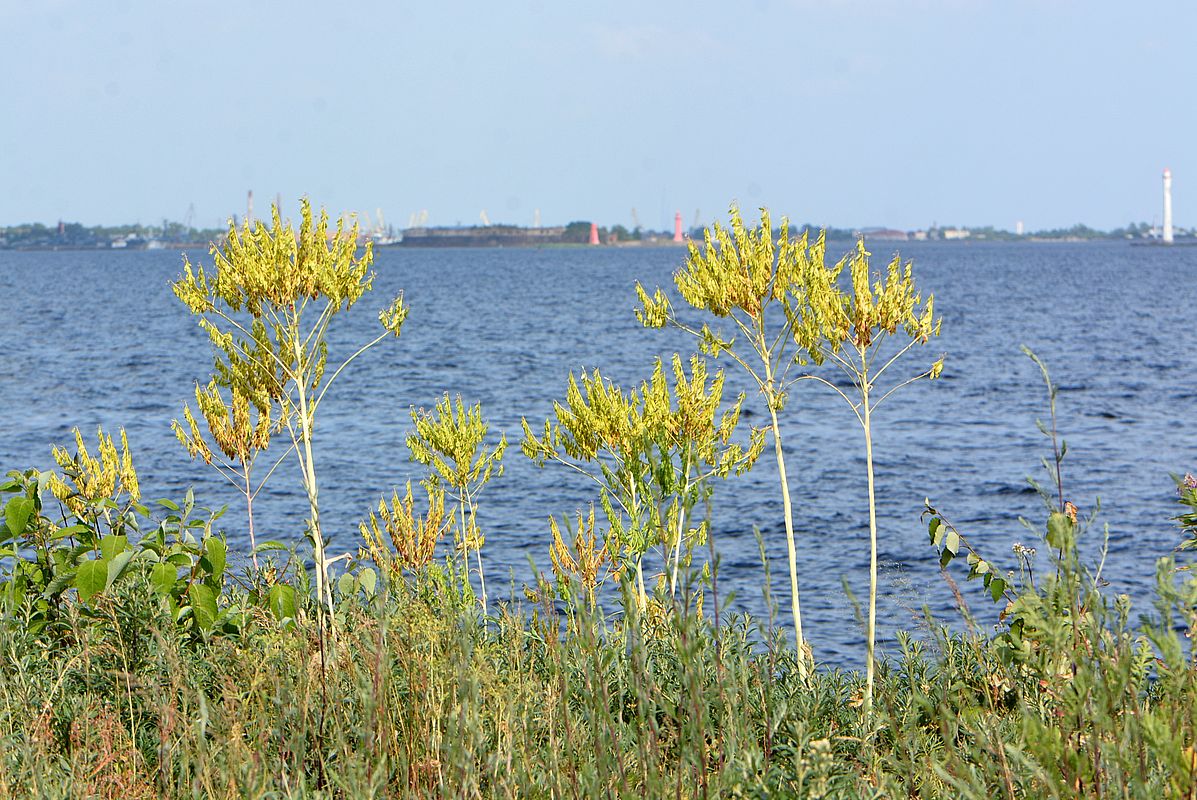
266,305
693,447
600,432
450,441
653,452
583,559
240,429
864,332
413,536
757,286
101,538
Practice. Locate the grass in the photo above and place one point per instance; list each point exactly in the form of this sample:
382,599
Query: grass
420,697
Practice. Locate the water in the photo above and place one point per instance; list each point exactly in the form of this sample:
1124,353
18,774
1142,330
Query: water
96,338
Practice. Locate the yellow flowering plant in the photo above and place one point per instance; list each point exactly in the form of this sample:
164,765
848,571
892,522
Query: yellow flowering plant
652,451
451,441
864,329
267,304
754,287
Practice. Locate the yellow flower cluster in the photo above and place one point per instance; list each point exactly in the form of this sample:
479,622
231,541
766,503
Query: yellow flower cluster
89,479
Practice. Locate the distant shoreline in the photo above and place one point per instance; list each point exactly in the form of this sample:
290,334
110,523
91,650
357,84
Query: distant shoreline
658,244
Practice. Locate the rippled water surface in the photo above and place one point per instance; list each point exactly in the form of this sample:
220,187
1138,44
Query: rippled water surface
98,339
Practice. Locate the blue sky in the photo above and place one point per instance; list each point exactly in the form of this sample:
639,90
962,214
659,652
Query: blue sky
838,112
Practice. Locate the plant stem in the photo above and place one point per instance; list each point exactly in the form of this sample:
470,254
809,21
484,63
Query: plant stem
793,553
640,583
249,511
872,629
681,523
308,467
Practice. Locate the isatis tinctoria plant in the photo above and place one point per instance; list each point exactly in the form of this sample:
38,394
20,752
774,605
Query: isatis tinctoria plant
653,452
413,535
266,304
865,328
691,444
240,429
451,441
755,287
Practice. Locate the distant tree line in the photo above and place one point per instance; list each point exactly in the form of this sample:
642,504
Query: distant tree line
73,235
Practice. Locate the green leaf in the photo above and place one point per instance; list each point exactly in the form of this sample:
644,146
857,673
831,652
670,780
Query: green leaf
90,578
996,587
215,556
116,567
346,585
62,581
368,579
203,606
270,544
944,557
112,545
16,514
281,600
179,559
70,530
934,528
951,542
1060,531
163,577
172,505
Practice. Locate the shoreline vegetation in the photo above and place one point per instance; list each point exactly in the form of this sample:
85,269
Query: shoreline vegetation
142,658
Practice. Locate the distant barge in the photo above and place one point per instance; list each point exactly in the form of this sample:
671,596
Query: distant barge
482,236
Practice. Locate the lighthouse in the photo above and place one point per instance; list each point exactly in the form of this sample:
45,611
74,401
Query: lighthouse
1167,206
677,227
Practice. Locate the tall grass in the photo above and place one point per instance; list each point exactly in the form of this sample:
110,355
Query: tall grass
423,697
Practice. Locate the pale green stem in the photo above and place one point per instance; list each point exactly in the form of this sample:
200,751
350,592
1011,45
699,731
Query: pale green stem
634,514
872,629
307,463
788,514
249,512
681,523
467,503
640,583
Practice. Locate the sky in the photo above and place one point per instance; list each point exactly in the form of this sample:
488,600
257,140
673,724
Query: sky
848,113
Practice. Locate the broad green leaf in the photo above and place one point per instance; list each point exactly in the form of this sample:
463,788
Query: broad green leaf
63,580
163,577
90,578
368,579
172,505
934,528
111,545
116,567
215,554
281,600
16,514
996,587
179,559
70,530
1060,531
203,605
270,544
346,585
951,542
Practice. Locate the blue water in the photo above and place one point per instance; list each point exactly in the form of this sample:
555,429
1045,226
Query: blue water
97,338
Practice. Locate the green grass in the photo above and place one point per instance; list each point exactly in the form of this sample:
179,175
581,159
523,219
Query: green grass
417,697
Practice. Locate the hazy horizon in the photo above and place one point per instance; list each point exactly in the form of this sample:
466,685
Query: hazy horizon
846,114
